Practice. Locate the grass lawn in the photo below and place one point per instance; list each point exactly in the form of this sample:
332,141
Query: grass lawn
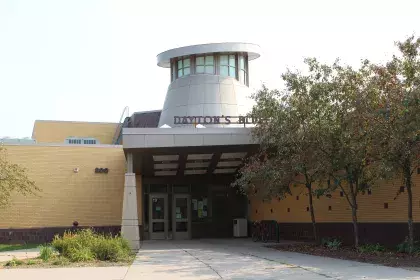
14,247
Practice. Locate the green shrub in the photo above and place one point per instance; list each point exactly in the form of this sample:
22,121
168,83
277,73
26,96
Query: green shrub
14,262
46,252
30,262
404,248
334,244
331,243
325,240
111,248
86,245
83,254
371,248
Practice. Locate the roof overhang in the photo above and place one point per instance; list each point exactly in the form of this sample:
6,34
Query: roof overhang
175,152
164,58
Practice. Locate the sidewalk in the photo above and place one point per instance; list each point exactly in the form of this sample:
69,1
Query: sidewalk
19,254
243,259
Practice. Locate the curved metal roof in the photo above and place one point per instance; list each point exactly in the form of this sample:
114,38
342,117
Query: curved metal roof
253,50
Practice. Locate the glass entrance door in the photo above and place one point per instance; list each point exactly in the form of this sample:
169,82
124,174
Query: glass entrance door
158,220
181,219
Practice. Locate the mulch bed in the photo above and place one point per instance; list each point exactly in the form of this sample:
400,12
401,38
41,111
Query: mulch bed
387,258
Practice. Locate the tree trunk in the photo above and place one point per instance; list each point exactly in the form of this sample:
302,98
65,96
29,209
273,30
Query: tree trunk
408,183
354,215
311,209
355,226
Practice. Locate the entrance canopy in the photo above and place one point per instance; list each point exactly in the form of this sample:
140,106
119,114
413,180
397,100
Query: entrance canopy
183,152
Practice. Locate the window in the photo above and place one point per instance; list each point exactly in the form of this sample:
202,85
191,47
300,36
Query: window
228,65
75,141
173,70
243,69
89,142
81,140
204,64
183,67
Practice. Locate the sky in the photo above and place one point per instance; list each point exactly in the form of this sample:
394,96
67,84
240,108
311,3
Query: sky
86,60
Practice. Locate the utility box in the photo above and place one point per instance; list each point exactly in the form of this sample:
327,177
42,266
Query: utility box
240,228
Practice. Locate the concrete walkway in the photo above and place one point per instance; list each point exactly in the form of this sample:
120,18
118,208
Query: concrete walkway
218,259
243,259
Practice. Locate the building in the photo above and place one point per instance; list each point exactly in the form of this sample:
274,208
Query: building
166,174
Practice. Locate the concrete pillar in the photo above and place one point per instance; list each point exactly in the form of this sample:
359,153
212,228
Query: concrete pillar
130,221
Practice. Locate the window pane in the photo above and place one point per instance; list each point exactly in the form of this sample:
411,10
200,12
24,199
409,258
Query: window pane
158,208
223,60
242,77
179,64
232,72
199,69
241,62
174,71
186,70
224,71
209,69
180,73
209,60
186,62
199,60
231,60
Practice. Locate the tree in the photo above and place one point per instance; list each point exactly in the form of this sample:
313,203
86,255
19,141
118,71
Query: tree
399,117
261,174
288,152
345,135
13,178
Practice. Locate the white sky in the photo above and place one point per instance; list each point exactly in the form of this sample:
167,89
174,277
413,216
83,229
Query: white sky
86,60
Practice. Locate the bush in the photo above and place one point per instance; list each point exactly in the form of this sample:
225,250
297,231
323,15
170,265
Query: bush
334,244
46,252
331,243
14,262
371,248
404,248
111,249
83,254
85,245
30,262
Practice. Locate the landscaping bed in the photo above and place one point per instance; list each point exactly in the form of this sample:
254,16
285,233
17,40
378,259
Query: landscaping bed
382,256
57,261
78,249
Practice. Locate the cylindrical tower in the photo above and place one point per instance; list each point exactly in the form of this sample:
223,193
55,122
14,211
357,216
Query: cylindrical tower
206,80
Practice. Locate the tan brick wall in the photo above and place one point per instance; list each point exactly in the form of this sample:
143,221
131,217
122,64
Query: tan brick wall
58,131
371,207
91,199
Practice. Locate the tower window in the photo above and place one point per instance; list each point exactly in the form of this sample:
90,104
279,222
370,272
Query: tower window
228,65
183,67
243,75
204,64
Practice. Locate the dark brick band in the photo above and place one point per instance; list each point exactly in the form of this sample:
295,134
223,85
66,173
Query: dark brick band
46,234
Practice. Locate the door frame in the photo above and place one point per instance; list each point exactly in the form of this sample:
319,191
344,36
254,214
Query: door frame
181,235
164,234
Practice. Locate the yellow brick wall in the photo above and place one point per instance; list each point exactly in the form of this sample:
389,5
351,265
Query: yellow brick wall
371,207
89,198
58,131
